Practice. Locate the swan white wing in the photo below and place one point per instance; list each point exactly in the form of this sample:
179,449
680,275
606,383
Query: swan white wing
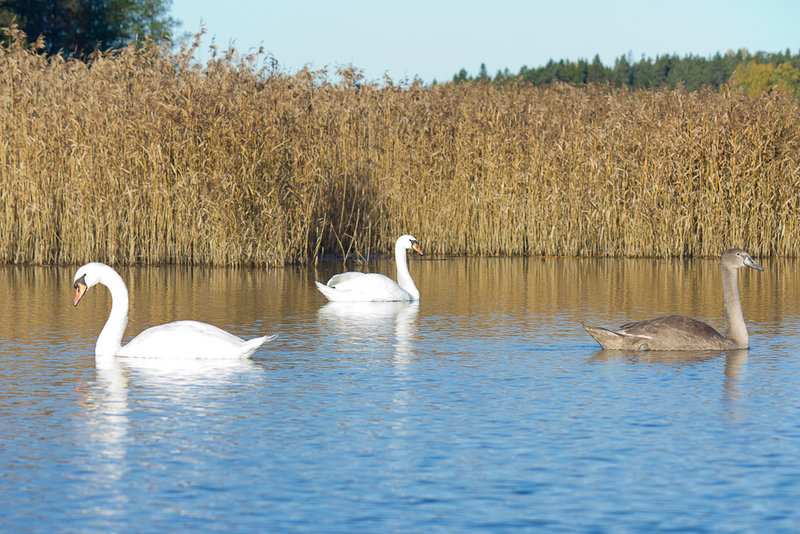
362,287
190,339
344,278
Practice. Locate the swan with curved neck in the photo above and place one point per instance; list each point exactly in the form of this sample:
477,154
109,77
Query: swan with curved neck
374,287
180,339
677,332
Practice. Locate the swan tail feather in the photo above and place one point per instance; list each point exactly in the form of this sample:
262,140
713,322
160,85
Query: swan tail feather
328,292
610,340
251,345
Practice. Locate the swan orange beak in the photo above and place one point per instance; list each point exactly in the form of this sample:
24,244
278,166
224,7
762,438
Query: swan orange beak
415,246
80,290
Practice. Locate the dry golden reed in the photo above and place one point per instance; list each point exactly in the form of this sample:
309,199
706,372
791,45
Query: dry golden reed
143,156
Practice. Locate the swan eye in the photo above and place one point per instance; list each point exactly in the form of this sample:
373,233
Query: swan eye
79,281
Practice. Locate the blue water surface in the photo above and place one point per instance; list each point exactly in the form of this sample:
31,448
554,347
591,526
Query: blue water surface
484,408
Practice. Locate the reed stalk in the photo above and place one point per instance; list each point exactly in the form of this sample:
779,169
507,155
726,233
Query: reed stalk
143,156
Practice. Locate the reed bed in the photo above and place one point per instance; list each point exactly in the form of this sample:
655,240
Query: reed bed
143,156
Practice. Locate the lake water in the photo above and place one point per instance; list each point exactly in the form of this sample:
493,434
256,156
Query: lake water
485,407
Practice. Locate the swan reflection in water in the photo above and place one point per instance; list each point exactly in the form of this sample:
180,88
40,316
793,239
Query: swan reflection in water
107,412
371,324
107,434
735,361
167,372
368,323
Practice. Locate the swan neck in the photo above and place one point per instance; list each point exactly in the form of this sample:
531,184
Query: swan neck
404,279
736,329
110,339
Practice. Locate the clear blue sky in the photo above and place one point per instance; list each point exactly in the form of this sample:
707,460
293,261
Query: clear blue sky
435,39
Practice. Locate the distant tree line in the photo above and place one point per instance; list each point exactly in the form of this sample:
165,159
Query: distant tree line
755,72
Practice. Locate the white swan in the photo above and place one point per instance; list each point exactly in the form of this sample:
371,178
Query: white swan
181,339
374,287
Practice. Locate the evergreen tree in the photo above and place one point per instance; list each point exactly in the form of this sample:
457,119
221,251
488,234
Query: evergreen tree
661,70
461,76
596,72
78,27
623,73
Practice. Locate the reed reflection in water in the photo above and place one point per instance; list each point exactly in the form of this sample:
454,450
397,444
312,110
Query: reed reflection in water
485,405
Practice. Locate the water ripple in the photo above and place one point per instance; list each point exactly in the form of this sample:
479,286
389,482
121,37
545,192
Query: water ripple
490,413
